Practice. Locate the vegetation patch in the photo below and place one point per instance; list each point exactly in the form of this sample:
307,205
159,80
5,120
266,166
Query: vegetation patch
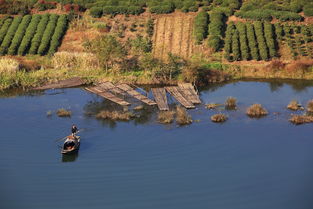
115,115
9,65
219,118
64,113
212,106
166,117
301,119
294,105
182,117
309,106
231,103
256,111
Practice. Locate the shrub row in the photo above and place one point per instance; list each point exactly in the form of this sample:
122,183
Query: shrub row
58,33
270,39
114,10
201,26
308,10
162,9
216,30
228,40
39,33
44,44
16,41
235,46
268,14
4,28
9,35
253,45
241,27
258,26
279,31
29,34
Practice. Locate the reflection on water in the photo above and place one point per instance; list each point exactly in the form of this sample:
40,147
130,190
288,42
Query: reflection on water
70,157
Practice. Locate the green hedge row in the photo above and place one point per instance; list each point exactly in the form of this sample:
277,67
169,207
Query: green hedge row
4,28
270,39
253,45
216,30
58,33
45,42
268,14
39,33
16,41
162,9
258,26
228,40
241,27
9,35
201,26
29,34
235,46
279,31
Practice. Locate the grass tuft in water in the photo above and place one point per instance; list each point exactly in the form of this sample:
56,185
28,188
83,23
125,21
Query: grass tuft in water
182,117
212,106
64,113
309,106
256,111
294,105
115,115
219,118
166,117
231,103
301,119
49,113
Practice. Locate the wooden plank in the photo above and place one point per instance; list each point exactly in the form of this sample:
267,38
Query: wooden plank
159,95
174,91
108,86
67,83
136,94
189,92
107,95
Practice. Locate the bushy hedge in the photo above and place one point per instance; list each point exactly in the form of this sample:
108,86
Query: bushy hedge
58,33
253,45
96,12
279,31
4,28
162,9
10,34
308,10
29,34
39,33
235,46
216,30
16,41
241,27
305,30
286,16
258,26
45,41
270,39
214,42
130,10
228,40
201,26
257,14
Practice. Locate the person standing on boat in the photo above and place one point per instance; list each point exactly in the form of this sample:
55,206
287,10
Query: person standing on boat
74,130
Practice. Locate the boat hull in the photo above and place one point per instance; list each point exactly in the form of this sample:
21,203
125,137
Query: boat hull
75,149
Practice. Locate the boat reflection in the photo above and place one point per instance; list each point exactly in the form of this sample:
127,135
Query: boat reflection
69,158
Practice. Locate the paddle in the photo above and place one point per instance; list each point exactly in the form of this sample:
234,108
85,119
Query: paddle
64,138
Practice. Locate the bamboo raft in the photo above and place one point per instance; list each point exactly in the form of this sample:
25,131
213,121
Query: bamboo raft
107,95
189,92
67,83
159,95
176,93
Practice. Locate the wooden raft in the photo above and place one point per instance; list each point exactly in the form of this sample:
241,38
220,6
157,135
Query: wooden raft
189,92
110,87
108,95
159,95
67,83
174,91
136,94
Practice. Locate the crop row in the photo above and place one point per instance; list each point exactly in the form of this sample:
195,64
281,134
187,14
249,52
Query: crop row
37,34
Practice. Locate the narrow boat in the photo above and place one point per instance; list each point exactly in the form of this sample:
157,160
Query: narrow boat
71,145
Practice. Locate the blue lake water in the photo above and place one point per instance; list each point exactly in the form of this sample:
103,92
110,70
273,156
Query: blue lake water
241,164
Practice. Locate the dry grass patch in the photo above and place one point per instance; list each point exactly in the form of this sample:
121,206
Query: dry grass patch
166,117
75,60
309,106
231,103
115,115
8,65
301,119
64,113
212,106
294,105
256,111
219,118
182,117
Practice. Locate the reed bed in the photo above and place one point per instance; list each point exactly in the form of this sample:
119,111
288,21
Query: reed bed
166,117
231,103
219,118
64,113
115,115
212,106
75,60
182,117
301,119
294,105
309,106
8,65
256,111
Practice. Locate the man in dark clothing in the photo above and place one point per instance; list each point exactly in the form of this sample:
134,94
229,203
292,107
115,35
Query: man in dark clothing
74,130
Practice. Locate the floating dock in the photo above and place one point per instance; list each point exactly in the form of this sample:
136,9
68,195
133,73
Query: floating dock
189,92
67,83
129,90
175,92
110,87
107,95
159,95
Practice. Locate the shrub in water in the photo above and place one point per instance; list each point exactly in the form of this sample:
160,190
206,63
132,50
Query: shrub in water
256,111
219,118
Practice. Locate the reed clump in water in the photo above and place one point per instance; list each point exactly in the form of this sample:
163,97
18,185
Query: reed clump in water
231,103
309,106
219,118
64,113
166,117
294,105
256,111
212,106
182,117
301,119
49,113
115,115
